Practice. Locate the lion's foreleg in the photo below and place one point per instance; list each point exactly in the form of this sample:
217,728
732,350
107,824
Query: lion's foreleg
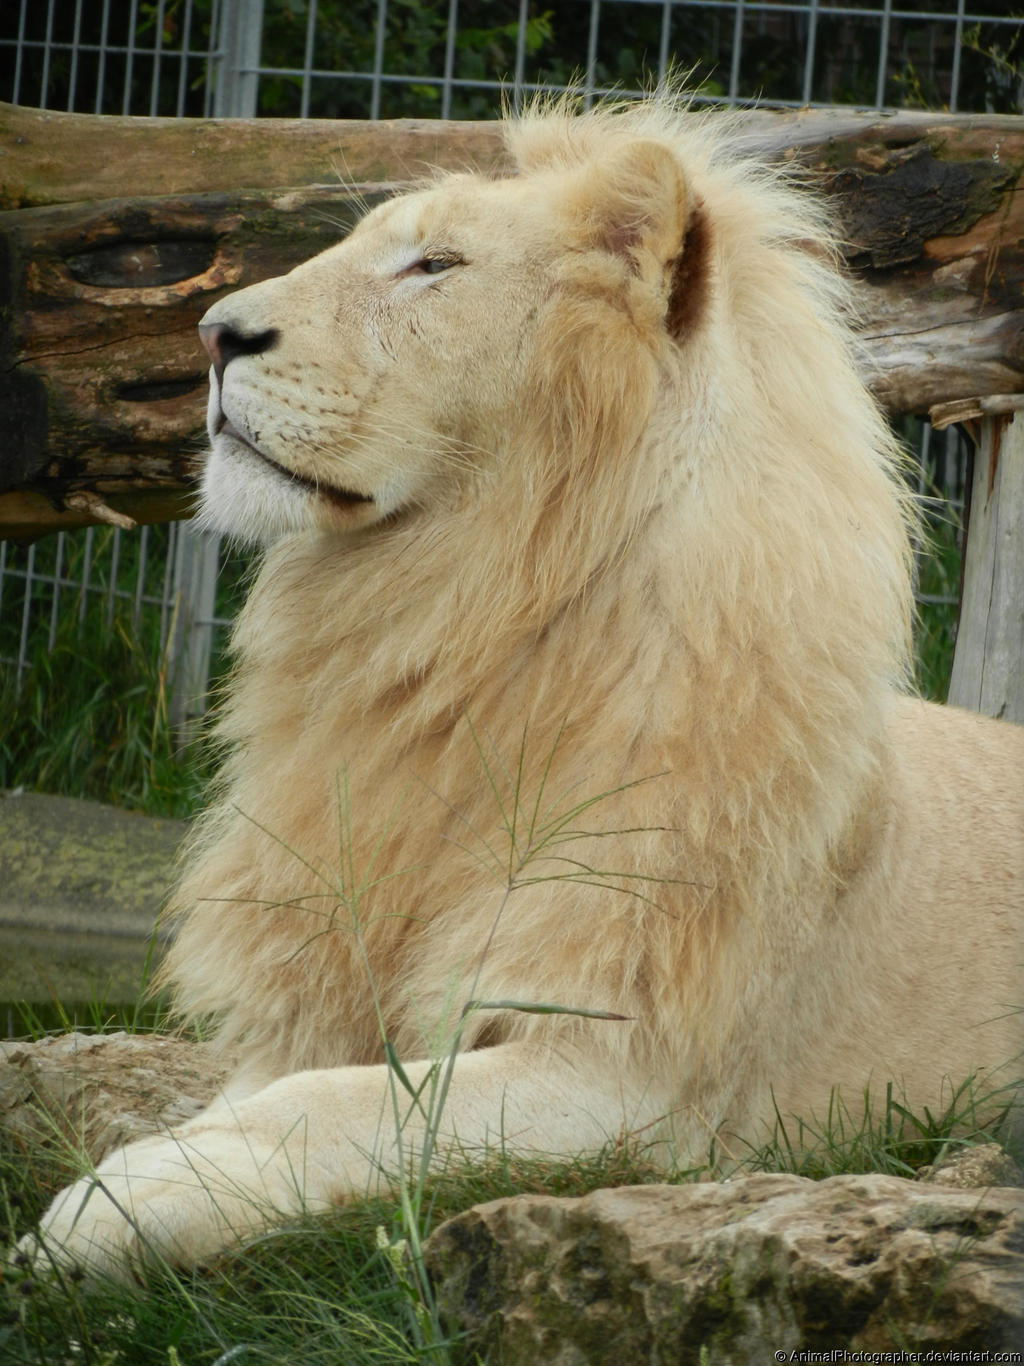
315,1139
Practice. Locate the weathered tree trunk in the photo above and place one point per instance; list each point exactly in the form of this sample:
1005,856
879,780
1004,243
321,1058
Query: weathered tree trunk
116,234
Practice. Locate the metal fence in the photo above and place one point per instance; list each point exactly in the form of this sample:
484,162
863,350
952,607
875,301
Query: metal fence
452,58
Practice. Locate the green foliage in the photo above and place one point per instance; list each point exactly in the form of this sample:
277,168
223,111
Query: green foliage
938,589
998,53
91,721
90,718
318,1293
626,44
414,48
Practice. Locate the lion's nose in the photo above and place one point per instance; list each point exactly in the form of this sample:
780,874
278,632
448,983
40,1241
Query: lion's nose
224,342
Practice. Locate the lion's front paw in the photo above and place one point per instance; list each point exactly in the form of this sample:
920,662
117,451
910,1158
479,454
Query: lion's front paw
175,1200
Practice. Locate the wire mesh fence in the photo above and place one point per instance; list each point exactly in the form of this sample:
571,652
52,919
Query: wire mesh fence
169,590
459,58
450,59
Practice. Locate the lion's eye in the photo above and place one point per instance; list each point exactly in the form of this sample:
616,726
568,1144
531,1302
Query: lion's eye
433,265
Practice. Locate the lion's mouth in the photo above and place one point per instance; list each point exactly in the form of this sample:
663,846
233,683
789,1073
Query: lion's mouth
340,496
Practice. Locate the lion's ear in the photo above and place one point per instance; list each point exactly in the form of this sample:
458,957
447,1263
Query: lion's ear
688,292
634,196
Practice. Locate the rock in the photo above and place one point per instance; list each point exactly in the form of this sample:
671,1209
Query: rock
986,1165
82,886
734,1273
102,1090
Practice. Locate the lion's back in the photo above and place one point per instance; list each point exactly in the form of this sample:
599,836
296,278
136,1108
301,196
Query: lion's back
946,891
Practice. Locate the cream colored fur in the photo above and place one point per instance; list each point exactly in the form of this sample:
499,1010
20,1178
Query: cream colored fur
628,527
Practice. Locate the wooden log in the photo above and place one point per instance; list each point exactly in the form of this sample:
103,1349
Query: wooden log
118,233
988,662
105,382
56,158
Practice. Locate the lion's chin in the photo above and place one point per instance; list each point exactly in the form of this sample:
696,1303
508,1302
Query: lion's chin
252,499
341,497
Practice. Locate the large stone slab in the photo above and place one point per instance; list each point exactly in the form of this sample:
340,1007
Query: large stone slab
98,1091
81,885
750,1270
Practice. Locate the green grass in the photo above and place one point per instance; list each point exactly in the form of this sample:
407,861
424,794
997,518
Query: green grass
91,716
91,721
338,1289
935,628
149,1014
886,1136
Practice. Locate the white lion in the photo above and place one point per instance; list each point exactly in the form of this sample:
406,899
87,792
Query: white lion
574,674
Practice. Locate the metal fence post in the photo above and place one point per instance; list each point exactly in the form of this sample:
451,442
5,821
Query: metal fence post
191,636
239,38
196,560
987,664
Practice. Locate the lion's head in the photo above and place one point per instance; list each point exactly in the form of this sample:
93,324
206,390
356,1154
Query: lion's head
399,371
